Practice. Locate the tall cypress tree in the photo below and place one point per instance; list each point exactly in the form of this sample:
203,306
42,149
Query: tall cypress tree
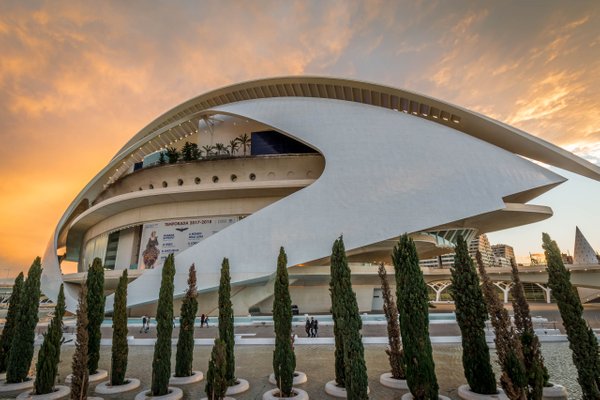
21,351
49,354
350,324
185,345
9,327
413,305
80,380
395,353
95,305
216,380
120,348
537,374
334,290
508,346
582,340
471,315
161,364
284,359
226,321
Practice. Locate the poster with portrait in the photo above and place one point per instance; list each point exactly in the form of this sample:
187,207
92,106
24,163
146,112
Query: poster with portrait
161,238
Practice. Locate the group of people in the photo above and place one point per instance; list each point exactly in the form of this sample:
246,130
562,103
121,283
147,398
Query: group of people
311,327
203,320
145,324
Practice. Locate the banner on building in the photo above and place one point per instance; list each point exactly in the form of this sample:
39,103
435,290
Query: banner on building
159,239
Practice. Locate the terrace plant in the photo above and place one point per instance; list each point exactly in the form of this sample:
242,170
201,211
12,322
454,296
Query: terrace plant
208,150
582,341
21,350
414,318
190,151
244,141
226,322
349,325
234,145
9,330
508,345
161,363
284,359
216,379
173,155
49,354
395,352
471,314
95,306
120,348
185,345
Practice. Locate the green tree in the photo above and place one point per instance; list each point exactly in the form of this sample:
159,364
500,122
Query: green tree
347,316
161,364
95,306
185,345
413,305
234,145
8,332
537,374
284,359
226,321
21,350
120,348
49,354
80,377
508,346
395,353
216,380
220,148
161,158
172,155
208,149
582,340
190,151
244,141
471,315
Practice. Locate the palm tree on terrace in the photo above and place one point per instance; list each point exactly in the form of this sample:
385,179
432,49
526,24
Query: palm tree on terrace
244,141
234,145
220,148
208,149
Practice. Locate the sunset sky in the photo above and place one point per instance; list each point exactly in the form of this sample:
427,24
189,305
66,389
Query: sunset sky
78,79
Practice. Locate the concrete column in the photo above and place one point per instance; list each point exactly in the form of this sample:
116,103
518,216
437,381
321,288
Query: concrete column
505,287
547,292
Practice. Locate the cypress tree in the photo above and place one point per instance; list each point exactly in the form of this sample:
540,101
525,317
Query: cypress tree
413,304
537,374
21,351
95,306
471,315
161,364
226,321
216,379
582,340
350,324
185,345
80,379
395,353
284,359
508,346
49,354
120,348
9,326
334,290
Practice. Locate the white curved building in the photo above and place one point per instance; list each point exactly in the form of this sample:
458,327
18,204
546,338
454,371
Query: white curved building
327,157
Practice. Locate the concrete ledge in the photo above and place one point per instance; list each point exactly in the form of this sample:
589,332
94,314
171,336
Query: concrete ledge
58,393
196,376
98,376
409,396
299,378
174,394
273,394
555,392
465,393
107,388
387,381
241,386
332,389
13,387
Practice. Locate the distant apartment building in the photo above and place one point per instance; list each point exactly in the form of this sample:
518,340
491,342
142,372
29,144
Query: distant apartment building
502,254
480,243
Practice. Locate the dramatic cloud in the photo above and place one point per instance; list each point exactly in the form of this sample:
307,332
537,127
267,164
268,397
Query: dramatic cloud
78,79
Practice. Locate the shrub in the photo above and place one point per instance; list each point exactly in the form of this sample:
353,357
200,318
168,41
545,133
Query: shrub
8,332
226,321
120,348
185,345
95,306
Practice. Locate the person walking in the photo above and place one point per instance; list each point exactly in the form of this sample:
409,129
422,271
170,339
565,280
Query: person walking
202,320
147,325
307,327
143,323
315,328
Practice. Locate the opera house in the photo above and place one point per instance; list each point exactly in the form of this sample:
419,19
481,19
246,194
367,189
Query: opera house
297,162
